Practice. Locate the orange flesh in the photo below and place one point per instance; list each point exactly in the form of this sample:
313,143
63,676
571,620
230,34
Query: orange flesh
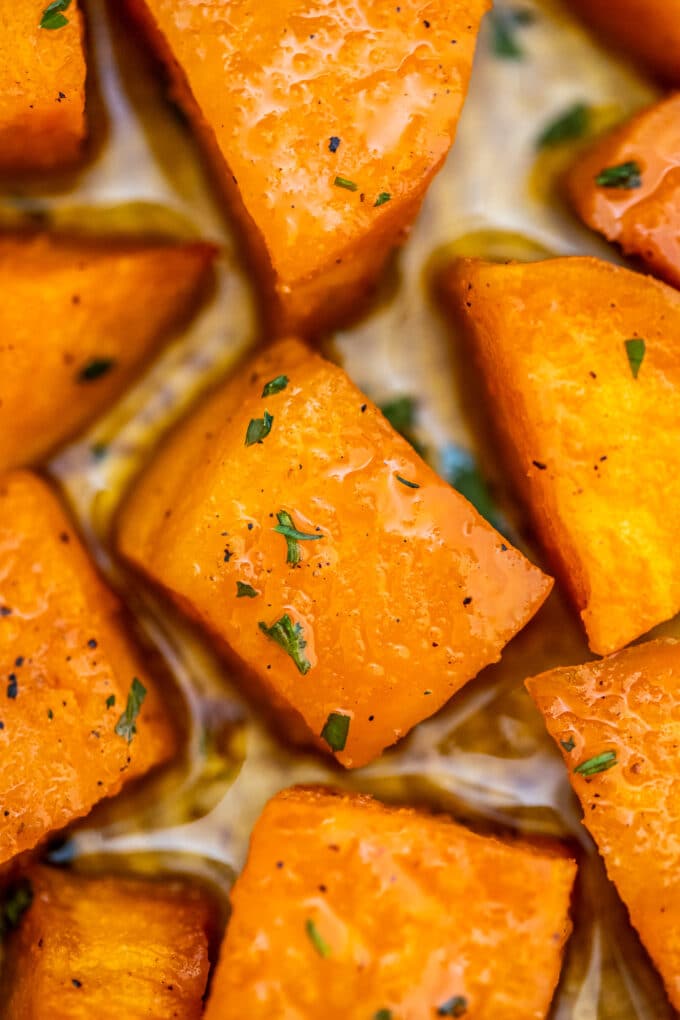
107,948
589,444
268,85
69,304
64,653
42,88
406,596
451,914
645,221
628,704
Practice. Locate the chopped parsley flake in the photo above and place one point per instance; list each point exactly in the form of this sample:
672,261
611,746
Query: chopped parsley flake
16,901
333,143
504,23
275,385
623,175
320,944
95,369
111,701
245,591
259,428
572,123
382,198
405,481
126,726
568,745
401,414
53,16
289,636
635,349
455,1006
335,730
382,1014
344,182
286,527
460,469
600,763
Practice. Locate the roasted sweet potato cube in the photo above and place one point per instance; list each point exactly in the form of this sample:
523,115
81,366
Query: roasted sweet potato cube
617,723
108,948
375,911
648,30
77,321
325,125
42,86
357,587
74,721
627,186
583,370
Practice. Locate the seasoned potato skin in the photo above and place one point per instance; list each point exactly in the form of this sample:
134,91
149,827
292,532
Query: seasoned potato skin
645,220
42,88
69,303
587,442
407,595
451,914
647,30
629,704
108,949
63,653
267,86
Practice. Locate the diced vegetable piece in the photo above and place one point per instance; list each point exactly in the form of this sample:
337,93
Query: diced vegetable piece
108,948
376,599
64,654
627,186
583,370
326,125
42,88
648,30
77,321
627,708
351,907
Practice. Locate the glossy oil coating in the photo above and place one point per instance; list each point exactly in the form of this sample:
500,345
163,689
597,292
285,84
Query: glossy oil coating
591,446
628,704
42,88
77,322
648,30
64,654
409,912
406,594
644,220
292,95
108,949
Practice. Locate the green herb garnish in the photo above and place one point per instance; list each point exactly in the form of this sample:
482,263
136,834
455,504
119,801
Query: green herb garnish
635,349
456,1006
335,730
460,469
259,428
383,197
111,701
623,175
383,1014
53,17
600,763
568,745
344,182
504,24
572,123
287,528
275,385
245,591
16,900
405,481
95,369
289,636
401,414
320,944
126,726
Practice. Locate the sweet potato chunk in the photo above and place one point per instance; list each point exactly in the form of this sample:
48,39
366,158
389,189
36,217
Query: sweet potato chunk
108,948
326,125
370,911
583,368
617,722
42,86
356,586
648,30
627,186
69,672
76,323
